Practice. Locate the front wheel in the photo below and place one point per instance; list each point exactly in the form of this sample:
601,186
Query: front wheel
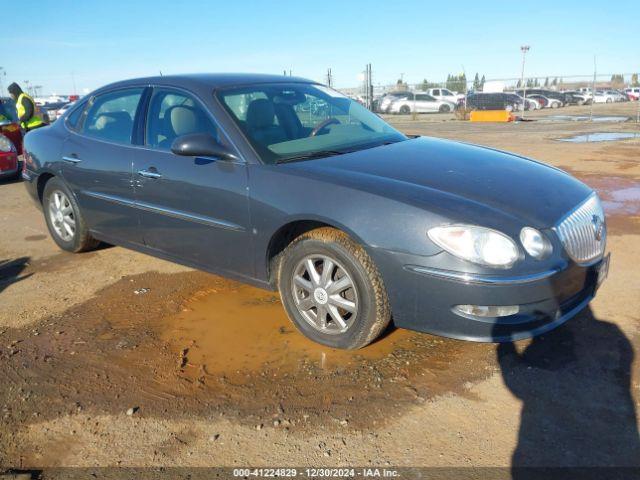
405,110
332,291
444,109
64,220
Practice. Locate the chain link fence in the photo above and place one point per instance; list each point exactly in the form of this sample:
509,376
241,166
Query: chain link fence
460,94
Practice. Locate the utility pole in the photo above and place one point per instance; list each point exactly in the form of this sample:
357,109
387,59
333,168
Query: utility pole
26,82
3,73
593,90
368,87
524,49
329,78
73,79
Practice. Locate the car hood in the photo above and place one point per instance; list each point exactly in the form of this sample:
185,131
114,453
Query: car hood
442,175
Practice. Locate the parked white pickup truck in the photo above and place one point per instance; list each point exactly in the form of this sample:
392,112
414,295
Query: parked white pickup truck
445,94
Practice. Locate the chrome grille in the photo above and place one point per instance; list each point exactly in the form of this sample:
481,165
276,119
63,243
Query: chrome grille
583,232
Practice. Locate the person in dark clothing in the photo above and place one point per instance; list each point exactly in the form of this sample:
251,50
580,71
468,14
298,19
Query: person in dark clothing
26,107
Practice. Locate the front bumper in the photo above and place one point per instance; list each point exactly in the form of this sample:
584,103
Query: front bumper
422,298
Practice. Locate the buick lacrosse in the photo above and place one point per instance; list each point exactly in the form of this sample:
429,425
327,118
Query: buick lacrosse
287,184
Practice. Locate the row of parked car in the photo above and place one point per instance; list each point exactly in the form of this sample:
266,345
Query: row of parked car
444,100
52,111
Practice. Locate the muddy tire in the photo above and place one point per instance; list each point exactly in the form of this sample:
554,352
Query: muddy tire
332,291
66,224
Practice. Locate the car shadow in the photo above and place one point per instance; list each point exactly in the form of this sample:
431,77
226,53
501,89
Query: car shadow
11,270
577,406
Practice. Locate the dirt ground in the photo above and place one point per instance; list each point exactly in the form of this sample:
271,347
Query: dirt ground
113,358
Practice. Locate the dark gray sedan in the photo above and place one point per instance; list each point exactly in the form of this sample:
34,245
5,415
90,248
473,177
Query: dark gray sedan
353,222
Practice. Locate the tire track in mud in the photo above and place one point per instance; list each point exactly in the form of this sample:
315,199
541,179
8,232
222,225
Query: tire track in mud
192,345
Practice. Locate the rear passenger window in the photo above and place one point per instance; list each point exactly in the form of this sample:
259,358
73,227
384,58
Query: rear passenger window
74,117
173,114
110,116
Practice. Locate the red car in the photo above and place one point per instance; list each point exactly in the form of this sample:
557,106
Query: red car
9,165
10,141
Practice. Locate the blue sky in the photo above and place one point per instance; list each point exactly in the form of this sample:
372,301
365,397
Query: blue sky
100,42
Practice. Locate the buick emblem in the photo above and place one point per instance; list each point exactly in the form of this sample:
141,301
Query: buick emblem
598,227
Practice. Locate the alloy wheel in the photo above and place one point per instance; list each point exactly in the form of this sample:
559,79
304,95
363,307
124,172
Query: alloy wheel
325,294
61,215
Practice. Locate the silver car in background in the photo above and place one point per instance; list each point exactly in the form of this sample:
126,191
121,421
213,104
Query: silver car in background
420,103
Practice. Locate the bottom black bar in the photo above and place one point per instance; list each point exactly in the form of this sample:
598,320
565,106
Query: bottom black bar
426,473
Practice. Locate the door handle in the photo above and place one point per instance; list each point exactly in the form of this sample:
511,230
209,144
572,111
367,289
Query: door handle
149,174
72,159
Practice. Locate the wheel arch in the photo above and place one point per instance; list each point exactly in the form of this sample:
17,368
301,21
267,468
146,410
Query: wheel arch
43,178
289,231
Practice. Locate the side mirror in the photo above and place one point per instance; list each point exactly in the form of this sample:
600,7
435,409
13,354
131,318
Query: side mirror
201,145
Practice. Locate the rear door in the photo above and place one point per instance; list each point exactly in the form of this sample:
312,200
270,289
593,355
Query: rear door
191,208
97,159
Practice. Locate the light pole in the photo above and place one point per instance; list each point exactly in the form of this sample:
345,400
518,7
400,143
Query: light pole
3,73
524,49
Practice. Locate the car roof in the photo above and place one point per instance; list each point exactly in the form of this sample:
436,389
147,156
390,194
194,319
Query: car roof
207,80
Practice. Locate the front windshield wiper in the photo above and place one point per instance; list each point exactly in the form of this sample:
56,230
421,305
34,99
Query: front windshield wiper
310,155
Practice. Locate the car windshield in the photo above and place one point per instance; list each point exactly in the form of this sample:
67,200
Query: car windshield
296,121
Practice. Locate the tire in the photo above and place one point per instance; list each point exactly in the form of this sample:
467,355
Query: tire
362,292
405,110
609,100
60,208
554,105
444,109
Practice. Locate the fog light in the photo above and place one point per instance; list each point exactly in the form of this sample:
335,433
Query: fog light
487,310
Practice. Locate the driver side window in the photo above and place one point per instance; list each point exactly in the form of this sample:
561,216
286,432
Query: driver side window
173,114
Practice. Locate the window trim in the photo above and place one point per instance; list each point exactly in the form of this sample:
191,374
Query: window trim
82,104
89,102
142,110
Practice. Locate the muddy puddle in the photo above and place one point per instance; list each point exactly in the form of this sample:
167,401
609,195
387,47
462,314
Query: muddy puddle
620,199
600,137
241,328
192,345
585,118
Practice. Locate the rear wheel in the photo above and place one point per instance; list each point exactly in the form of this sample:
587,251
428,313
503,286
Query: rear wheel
332,290
405,110
64,220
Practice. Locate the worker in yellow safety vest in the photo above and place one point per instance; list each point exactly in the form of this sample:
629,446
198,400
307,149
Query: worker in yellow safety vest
26,108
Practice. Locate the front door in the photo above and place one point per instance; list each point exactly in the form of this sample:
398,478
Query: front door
97,158
194,209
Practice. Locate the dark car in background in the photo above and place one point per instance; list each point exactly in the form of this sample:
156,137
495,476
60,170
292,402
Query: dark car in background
494,101
551,94
354,223
573,97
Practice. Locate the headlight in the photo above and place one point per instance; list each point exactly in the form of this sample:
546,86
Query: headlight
535,243
5,144
476,244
